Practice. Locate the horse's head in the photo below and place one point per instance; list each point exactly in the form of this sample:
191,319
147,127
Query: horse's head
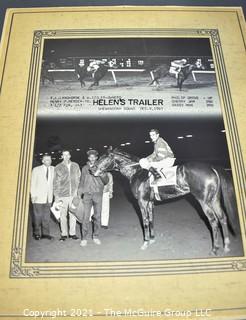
112,64
116,160
198,64
106,163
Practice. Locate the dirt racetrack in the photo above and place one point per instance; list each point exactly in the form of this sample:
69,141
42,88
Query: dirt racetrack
129,85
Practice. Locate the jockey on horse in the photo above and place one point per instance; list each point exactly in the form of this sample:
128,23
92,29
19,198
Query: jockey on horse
162,157
176,66
94,66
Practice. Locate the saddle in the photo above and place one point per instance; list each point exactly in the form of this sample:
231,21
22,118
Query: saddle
168,178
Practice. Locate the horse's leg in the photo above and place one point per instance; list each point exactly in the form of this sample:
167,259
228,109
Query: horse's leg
179,83
151,221
224,223
217,208
155,80
213,220
145,218
92,85
82,83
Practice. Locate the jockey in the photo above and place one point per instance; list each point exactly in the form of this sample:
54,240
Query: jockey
95,65
162,157
177,65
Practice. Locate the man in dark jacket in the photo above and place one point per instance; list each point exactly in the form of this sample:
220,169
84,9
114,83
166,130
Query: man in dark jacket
66,182
91,188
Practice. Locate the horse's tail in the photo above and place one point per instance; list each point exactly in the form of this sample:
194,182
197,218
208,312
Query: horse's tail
229,199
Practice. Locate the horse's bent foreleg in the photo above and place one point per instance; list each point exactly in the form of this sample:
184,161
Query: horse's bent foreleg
212,218
92,85
155,80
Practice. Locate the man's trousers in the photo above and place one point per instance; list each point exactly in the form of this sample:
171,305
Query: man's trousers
64,217
41,219
92,200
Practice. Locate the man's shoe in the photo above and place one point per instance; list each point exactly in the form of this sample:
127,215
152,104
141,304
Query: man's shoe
74,237
105,227
83,243
36,237
97,241
63,238
48,237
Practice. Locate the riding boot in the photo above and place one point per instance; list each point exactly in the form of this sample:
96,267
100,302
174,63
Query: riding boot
155,173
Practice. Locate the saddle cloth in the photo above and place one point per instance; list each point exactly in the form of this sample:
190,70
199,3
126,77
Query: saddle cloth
168,177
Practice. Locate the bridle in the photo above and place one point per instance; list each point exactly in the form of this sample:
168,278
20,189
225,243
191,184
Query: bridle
114,166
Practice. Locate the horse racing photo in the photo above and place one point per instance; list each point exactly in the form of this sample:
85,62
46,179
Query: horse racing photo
131,160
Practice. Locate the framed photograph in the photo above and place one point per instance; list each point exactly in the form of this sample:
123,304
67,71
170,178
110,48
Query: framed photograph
123,139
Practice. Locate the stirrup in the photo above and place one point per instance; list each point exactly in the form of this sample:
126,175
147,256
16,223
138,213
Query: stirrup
155,173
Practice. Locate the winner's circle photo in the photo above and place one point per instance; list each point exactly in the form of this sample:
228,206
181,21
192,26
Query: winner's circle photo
131,160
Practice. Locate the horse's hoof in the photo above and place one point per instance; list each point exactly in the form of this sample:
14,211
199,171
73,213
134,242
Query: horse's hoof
145,245
152,241
226,249
214,252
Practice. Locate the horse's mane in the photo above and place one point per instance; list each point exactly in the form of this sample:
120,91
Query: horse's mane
124,154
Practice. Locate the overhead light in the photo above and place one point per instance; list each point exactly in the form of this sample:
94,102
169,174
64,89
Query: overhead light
180,137
52,152
41,154
128,143
223,130
105,146
77,149
147,141
189,136
123,144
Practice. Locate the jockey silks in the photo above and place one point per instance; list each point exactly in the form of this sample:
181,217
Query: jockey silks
161,151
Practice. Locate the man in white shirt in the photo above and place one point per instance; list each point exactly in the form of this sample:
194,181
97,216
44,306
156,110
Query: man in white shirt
42,197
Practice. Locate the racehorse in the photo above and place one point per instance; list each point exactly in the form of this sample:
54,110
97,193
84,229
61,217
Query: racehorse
45,74
82,73
163,71
209,185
